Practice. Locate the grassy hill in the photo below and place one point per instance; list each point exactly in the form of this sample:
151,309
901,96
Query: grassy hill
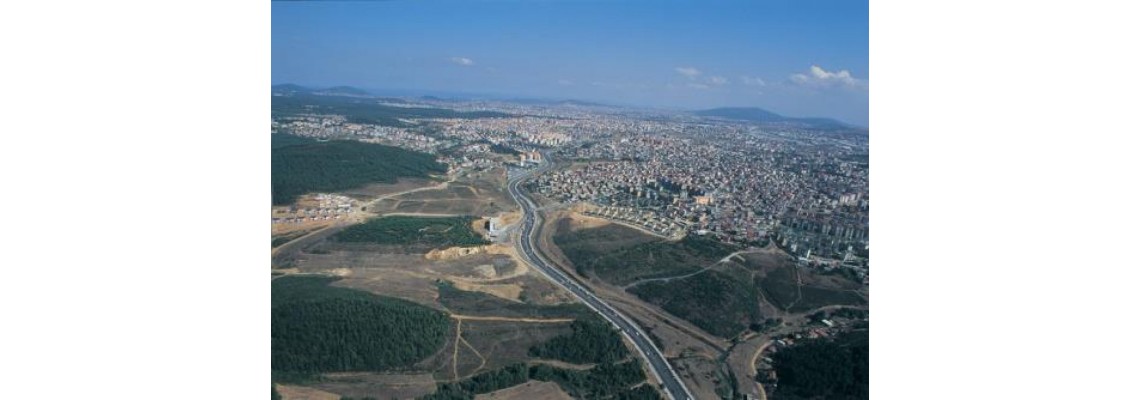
302,165
734,298
434,232
592,251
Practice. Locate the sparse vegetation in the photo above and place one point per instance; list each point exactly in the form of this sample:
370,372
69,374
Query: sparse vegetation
477,303
593,341
815,297
301,165
434,232
320,328
606,381
655,259
287,237
780,287
695,298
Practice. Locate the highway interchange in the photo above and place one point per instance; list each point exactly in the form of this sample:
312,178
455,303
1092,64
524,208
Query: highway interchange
671,383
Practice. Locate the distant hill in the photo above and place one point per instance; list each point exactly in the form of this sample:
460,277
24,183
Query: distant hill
761,115
364,110
567,102
289,88
343,91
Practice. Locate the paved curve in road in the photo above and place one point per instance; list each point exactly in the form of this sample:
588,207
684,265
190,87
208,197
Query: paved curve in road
671,383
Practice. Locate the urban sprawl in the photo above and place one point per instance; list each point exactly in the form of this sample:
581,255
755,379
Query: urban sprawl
672,174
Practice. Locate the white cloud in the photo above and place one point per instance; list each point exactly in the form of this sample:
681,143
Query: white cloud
464,61
717,80
688,72
820,77
751,81
698,86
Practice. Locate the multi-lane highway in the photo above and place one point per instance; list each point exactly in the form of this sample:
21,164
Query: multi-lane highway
671,383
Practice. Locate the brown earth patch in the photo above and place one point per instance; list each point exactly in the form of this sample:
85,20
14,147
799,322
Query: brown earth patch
378,385
290,392
504,291
528,391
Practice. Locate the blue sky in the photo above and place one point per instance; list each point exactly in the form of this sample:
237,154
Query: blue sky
799,58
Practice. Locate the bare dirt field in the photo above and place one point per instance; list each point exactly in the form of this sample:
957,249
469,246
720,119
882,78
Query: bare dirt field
528,391
506,291
700,375
290,392
742,362
479,194
377,385
492,269
373,191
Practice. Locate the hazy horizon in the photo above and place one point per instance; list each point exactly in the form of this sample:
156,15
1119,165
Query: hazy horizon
800,59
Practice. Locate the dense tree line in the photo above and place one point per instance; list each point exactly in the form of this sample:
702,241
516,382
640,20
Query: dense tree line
364,110
511,375
593,341
428,231
825,368
606,381
302,165
643,392
318,328
694,299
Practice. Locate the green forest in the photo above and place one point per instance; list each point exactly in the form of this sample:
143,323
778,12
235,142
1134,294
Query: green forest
835,368
641,261
302,165
606,381
364,110
319,328
428,231
735,300
593,341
